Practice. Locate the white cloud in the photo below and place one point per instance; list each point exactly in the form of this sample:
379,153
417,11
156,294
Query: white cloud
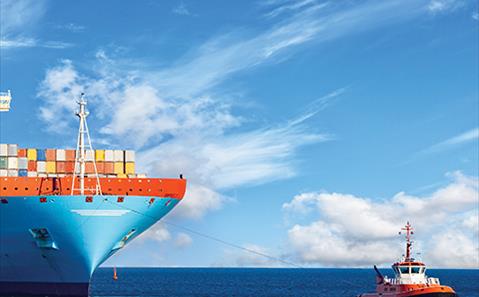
356,231
325,244
158,232
475,15
19,42
30,42
453,248
436,6
290,6
181,9
183,240
17,15
18,19
60,87
72,27
198,200
465,137
55,44
471,222
222,56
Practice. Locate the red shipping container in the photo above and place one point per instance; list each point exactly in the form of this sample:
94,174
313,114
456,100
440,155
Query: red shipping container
60,166
69,167
108,168
89,167
51,155
22,153
100,167
32,165
70,155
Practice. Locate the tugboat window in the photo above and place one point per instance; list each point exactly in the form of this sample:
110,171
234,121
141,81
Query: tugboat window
415,269
404,269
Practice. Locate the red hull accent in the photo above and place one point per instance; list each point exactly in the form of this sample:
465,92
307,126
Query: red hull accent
37,186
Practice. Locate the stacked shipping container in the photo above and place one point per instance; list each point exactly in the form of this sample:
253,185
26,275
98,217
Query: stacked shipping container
31,162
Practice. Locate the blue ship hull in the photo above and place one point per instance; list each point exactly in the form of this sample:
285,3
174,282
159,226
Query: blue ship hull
51,245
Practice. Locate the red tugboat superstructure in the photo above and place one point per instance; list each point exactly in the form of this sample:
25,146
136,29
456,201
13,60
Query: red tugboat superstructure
410,278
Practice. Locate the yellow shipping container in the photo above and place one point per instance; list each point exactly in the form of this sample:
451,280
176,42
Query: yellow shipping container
100,155
32,154
121,175
130,167
118,169
51,166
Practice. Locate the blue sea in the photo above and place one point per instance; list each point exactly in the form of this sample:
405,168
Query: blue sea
239,282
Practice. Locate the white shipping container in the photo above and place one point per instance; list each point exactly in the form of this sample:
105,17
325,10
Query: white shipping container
42,175
41,167
131,175
12,172
3,150
12,150
12,163
52,175
109,156
22,163
61,155
141,175
32,174
89,155
129,156
118,156
111,175
3,172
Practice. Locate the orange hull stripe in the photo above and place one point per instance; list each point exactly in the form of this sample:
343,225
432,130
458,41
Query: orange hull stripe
33,186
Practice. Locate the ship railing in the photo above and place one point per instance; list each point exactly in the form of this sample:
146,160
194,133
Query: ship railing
433,281
396,281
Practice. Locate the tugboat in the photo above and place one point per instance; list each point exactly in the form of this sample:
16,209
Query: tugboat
410,278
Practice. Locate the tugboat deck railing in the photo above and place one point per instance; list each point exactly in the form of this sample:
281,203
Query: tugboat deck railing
398,281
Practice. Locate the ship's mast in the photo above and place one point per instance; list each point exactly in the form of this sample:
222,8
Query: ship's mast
80,156
409,232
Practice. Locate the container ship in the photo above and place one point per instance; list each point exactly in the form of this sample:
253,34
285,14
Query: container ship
410,278
64,212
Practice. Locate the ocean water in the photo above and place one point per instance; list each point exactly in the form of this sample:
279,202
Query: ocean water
239,282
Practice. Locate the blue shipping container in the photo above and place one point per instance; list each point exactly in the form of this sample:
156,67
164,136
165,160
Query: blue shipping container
22,172
41,155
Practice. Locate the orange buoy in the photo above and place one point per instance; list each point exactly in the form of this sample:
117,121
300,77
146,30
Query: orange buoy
115,276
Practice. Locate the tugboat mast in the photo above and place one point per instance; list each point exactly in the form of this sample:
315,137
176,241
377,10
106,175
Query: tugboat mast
408,228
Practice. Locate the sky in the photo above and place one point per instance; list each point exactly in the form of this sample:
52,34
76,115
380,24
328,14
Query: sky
310,131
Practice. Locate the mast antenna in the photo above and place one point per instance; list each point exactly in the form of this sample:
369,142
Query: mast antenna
81,150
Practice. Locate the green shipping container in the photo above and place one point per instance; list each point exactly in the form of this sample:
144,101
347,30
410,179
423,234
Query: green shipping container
3,162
